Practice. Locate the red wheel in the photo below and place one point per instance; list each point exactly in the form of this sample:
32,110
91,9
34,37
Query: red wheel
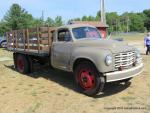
22,64
89,81
86,79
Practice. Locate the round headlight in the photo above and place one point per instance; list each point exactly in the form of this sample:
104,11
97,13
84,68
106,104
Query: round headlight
108,60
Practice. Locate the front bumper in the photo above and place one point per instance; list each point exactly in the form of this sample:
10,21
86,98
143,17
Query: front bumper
121,75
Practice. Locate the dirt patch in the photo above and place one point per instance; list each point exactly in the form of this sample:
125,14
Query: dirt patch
2,59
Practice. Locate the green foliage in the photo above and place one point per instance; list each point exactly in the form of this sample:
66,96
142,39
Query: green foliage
91,18
17,18
3,28
132,22
36,22
84,18
98,16
88,18
77,19
112,20
50,22
58,21
147,18
123,23
54,23
137,22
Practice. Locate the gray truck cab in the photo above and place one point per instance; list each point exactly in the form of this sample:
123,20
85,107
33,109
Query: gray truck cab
76,46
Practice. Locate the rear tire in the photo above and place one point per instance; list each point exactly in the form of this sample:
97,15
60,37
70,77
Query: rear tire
88,79
22,64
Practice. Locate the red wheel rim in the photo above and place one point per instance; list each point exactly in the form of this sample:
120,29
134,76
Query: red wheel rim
20,63
86,79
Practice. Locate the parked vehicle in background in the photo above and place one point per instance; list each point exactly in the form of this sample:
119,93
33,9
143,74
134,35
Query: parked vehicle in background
79,49
3,42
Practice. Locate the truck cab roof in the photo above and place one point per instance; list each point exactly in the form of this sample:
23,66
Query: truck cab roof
71,26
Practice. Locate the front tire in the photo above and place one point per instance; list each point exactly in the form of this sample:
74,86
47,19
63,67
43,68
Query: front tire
88,79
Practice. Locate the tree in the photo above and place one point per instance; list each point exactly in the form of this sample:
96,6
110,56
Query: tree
112,20
37,22
90,18
147,19
17,18
76,19
58,21
3,28
137,22
84,18
98,16
125,22
50,22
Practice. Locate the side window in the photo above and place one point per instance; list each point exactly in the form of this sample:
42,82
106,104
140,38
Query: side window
64,35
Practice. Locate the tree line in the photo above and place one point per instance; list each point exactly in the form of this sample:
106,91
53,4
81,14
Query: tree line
126,22
18,18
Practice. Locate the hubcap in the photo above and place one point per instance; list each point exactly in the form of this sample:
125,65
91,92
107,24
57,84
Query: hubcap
86,79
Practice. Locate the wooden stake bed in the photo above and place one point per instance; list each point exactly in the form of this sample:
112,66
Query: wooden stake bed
35,41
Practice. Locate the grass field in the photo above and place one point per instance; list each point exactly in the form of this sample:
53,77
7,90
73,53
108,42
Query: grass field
131,36
52,91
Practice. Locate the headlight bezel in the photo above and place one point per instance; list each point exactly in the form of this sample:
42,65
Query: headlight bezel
108,60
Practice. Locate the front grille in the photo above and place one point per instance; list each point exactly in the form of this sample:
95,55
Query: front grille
124,60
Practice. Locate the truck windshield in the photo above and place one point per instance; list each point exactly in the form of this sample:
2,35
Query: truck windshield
86,32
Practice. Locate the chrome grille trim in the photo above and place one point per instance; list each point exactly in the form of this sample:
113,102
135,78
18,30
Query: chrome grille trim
124,59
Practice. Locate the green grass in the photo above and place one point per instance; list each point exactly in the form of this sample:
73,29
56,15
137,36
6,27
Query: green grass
127,98
130,36
33,108
34,93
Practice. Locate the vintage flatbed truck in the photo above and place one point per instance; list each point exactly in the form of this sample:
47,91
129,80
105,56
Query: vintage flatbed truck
79,49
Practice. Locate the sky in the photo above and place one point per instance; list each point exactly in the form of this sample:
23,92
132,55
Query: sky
69,9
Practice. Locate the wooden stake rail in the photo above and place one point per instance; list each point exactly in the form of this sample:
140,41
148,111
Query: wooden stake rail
35,40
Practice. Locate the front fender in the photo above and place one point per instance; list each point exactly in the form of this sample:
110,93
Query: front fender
95,55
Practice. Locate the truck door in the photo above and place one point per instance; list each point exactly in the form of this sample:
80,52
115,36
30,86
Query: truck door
61,50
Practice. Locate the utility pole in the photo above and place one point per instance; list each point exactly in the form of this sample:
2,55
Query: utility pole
103,15
116,26
128,20
42,17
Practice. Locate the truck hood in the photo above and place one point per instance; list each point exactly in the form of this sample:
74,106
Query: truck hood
109,44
